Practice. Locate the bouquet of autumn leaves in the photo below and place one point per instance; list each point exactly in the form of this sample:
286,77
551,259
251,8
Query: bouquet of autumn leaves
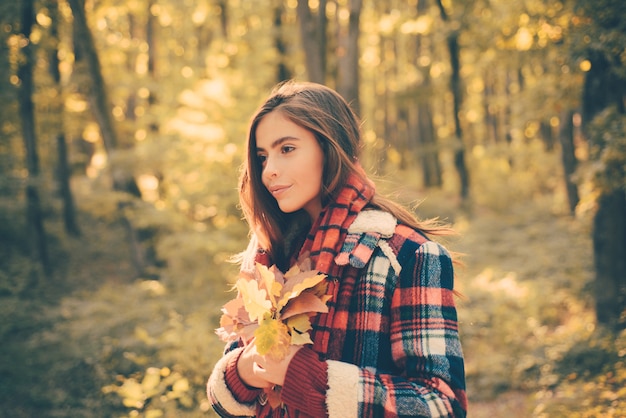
274,308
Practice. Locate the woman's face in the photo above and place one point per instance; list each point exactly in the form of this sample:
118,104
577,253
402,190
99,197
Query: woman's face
293,164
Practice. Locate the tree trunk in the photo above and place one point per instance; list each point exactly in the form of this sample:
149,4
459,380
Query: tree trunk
427,150
380,115
98,93
223,7
602,89
568,157
121,178
27,116
150,24
63,169
348,68
282,71
131,58
609,248
64,175
491,114
313,36
98,99
455,87
547,135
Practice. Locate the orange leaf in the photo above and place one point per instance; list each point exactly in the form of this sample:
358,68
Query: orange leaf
273,396
236,309
304,303
297,284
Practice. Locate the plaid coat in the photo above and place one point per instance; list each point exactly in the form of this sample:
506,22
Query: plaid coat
389,346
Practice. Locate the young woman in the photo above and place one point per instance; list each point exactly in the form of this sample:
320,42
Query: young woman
389,344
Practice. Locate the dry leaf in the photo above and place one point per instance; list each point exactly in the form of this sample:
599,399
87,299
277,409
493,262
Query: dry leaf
299,327
297,284
305,302
272,339
274,308
254,299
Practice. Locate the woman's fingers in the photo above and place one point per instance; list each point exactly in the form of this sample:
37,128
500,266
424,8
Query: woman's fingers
263,371
248,369
271,370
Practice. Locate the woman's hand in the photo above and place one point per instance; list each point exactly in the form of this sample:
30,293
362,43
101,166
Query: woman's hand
246,368
261,371
274,371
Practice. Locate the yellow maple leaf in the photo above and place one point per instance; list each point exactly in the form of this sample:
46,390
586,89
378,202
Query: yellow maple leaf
254,299
268,282
272,338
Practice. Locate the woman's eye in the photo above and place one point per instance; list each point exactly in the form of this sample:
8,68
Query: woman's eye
261,158
287,148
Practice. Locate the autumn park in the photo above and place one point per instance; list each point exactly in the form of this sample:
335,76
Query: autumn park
122,125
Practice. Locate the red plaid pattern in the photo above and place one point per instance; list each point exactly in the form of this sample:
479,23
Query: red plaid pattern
389,345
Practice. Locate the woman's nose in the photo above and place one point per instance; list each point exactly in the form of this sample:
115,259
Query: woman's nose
270,170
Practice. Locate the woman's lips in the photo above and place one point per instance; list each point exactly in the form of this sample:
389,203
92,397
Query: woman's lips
278,190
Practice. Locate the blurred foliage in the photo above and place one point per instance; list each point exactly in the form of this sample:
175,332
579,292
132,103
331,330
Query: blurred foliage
506,175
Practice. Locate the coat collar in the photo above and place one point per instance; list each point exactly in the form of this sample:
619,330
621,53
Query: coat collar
363,237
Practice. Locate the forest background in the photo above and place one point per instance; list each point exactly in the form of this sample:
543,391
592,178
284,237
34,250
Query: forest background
121,133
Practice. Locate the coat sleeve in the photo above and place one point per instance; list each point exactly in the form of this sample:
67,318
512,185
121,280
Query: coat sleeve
226,391
425,348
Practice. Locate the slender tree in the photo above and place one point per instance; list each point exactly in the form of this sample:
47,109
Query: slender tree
150,39
457,98
491,122
425,133
122,179
313,35
223,8
348,68
568,156
98,94
27,116
98,97
604,123
9,17
63,170
282,70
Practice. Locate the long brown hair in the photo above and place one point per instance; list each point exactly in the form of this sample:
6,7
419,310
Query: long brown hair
328,116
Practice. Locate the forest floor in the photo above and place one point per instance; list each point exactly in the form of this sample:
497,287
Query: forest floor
43,371
524,279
